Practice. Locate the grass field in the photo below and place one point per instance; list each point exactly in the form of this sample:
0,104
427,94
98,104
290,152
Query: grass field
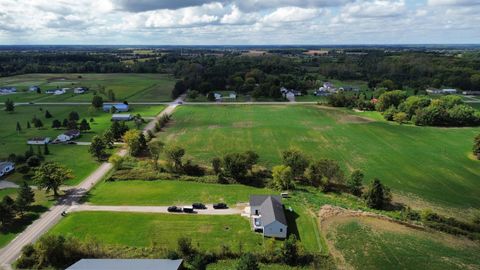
131,87
429,163
42,202
169,192
81,163
367,243
142,230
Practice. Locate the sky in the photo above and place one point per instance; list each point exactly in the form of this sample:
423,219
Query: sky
239,22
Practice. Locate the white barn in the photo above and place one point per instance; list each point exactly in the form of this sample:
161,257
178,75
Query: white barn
268,216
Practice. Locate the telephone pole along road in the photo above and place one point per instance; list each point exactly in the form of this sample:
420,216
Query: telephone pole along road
47,220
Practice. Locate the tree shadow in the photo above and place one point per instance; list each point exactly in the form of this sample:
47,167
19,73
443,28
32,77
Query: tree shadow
292,217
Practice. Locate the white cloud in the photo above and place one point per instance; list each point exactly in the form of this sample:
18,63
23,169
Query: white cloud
290,14
374,9
453,2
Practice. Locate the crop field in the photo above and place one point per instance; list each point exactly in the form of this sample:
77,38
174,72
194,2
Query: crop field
131,87
368,243
142,230
81,163
432,164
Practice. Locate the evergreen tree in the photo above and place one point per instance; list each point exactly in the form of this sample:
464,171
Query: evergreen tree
28,124
9,105
39,152
476,146
73,116
378,195
84,125
355,182
48,114
19,128
56,124
7,210
25,197
45,150
65,123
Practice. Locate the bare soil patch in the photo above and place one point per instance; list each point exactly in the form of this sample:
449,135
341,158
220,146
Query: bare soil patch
244,124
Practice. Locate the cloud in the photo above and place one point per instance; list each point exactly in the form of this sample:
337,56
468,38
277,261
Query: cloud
453,2
236,16
290,14
374,9
147,5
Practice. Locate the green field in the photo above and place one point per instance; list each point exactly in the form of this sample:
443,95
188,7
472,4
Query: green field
429,163
131,87
169,192
142,230
367,243
81,163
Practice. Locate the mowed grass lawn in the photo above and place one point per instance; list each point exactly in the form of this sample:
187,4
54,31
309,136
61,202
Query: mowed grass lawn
426,162
169,193
75,157
373,244
126,86
142,230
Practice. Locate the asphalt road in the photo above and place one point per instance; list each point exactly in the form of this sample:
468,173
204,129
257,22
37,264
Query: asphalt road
47,220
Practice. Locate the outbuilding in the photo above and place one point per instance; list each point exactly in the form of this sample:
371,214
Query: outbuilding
121,117
127,264
68,135
119,107
6,167
38,140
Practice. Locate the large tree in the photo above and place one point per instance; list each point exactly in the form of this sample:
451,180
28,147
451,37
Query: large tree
155,148
97,102
50,176
247,262
296,160
282,177
97,147
136,142
355,181
378,196
25,197
174,155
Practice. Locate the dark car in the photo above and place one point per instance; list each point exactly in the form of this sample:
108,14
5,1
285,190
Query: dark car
199,206
220,206
174,209
188,209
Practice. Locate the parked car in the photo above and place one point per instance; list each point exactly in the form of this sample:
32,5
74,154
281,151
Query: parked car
188,209
174,209
199,206
220,206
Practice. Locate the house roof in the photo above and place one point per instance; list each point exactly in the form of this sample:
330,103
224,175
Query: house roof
117,105
72,132
271,208
4,164
121,115
126,264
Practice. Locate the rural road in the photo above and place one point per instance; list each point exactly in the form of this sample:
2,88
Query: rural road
7,184
174,102
152,209
47,220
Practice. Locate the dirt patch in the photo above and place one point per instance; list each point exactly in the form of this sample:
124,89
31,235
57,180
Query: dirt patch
205,229
213,126
244,124
331,216
354,119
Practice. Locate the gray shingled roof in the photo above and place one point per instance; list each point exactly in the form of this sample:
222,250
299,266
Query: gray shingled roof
4,164
126,264
271,208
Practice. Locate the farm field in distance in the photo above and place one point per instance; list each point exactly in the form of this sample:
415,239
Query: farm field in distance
82,163
126,86
426,163
369,243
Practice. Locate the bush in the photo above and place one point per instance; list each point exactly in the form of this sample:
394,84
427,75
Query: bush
33,161
23,169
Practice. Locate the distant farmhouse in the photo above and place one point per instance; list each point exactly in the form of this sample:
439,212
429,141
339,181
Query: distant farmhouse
7,90
6,167
38,140
289,92
219,97
68,135
79,90
34,88
119,107
268,216
446,91
121,117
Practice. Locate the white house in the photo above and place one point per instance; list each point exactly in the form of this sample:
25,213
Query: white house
79,90
449,91
38,140
60,91
33,88
121,117
68,135
7,90
6,167
268,216
217,96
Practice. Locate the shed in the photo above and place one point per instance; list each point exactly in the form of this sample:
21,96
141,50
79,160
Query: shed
121,117
120,107
126,264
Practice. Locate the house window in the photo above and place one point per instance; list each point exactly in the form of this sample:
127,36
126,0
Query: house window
281,230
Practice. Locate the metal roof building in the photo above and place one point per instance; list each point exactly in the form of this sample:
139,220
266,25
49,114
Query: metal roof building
126,264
